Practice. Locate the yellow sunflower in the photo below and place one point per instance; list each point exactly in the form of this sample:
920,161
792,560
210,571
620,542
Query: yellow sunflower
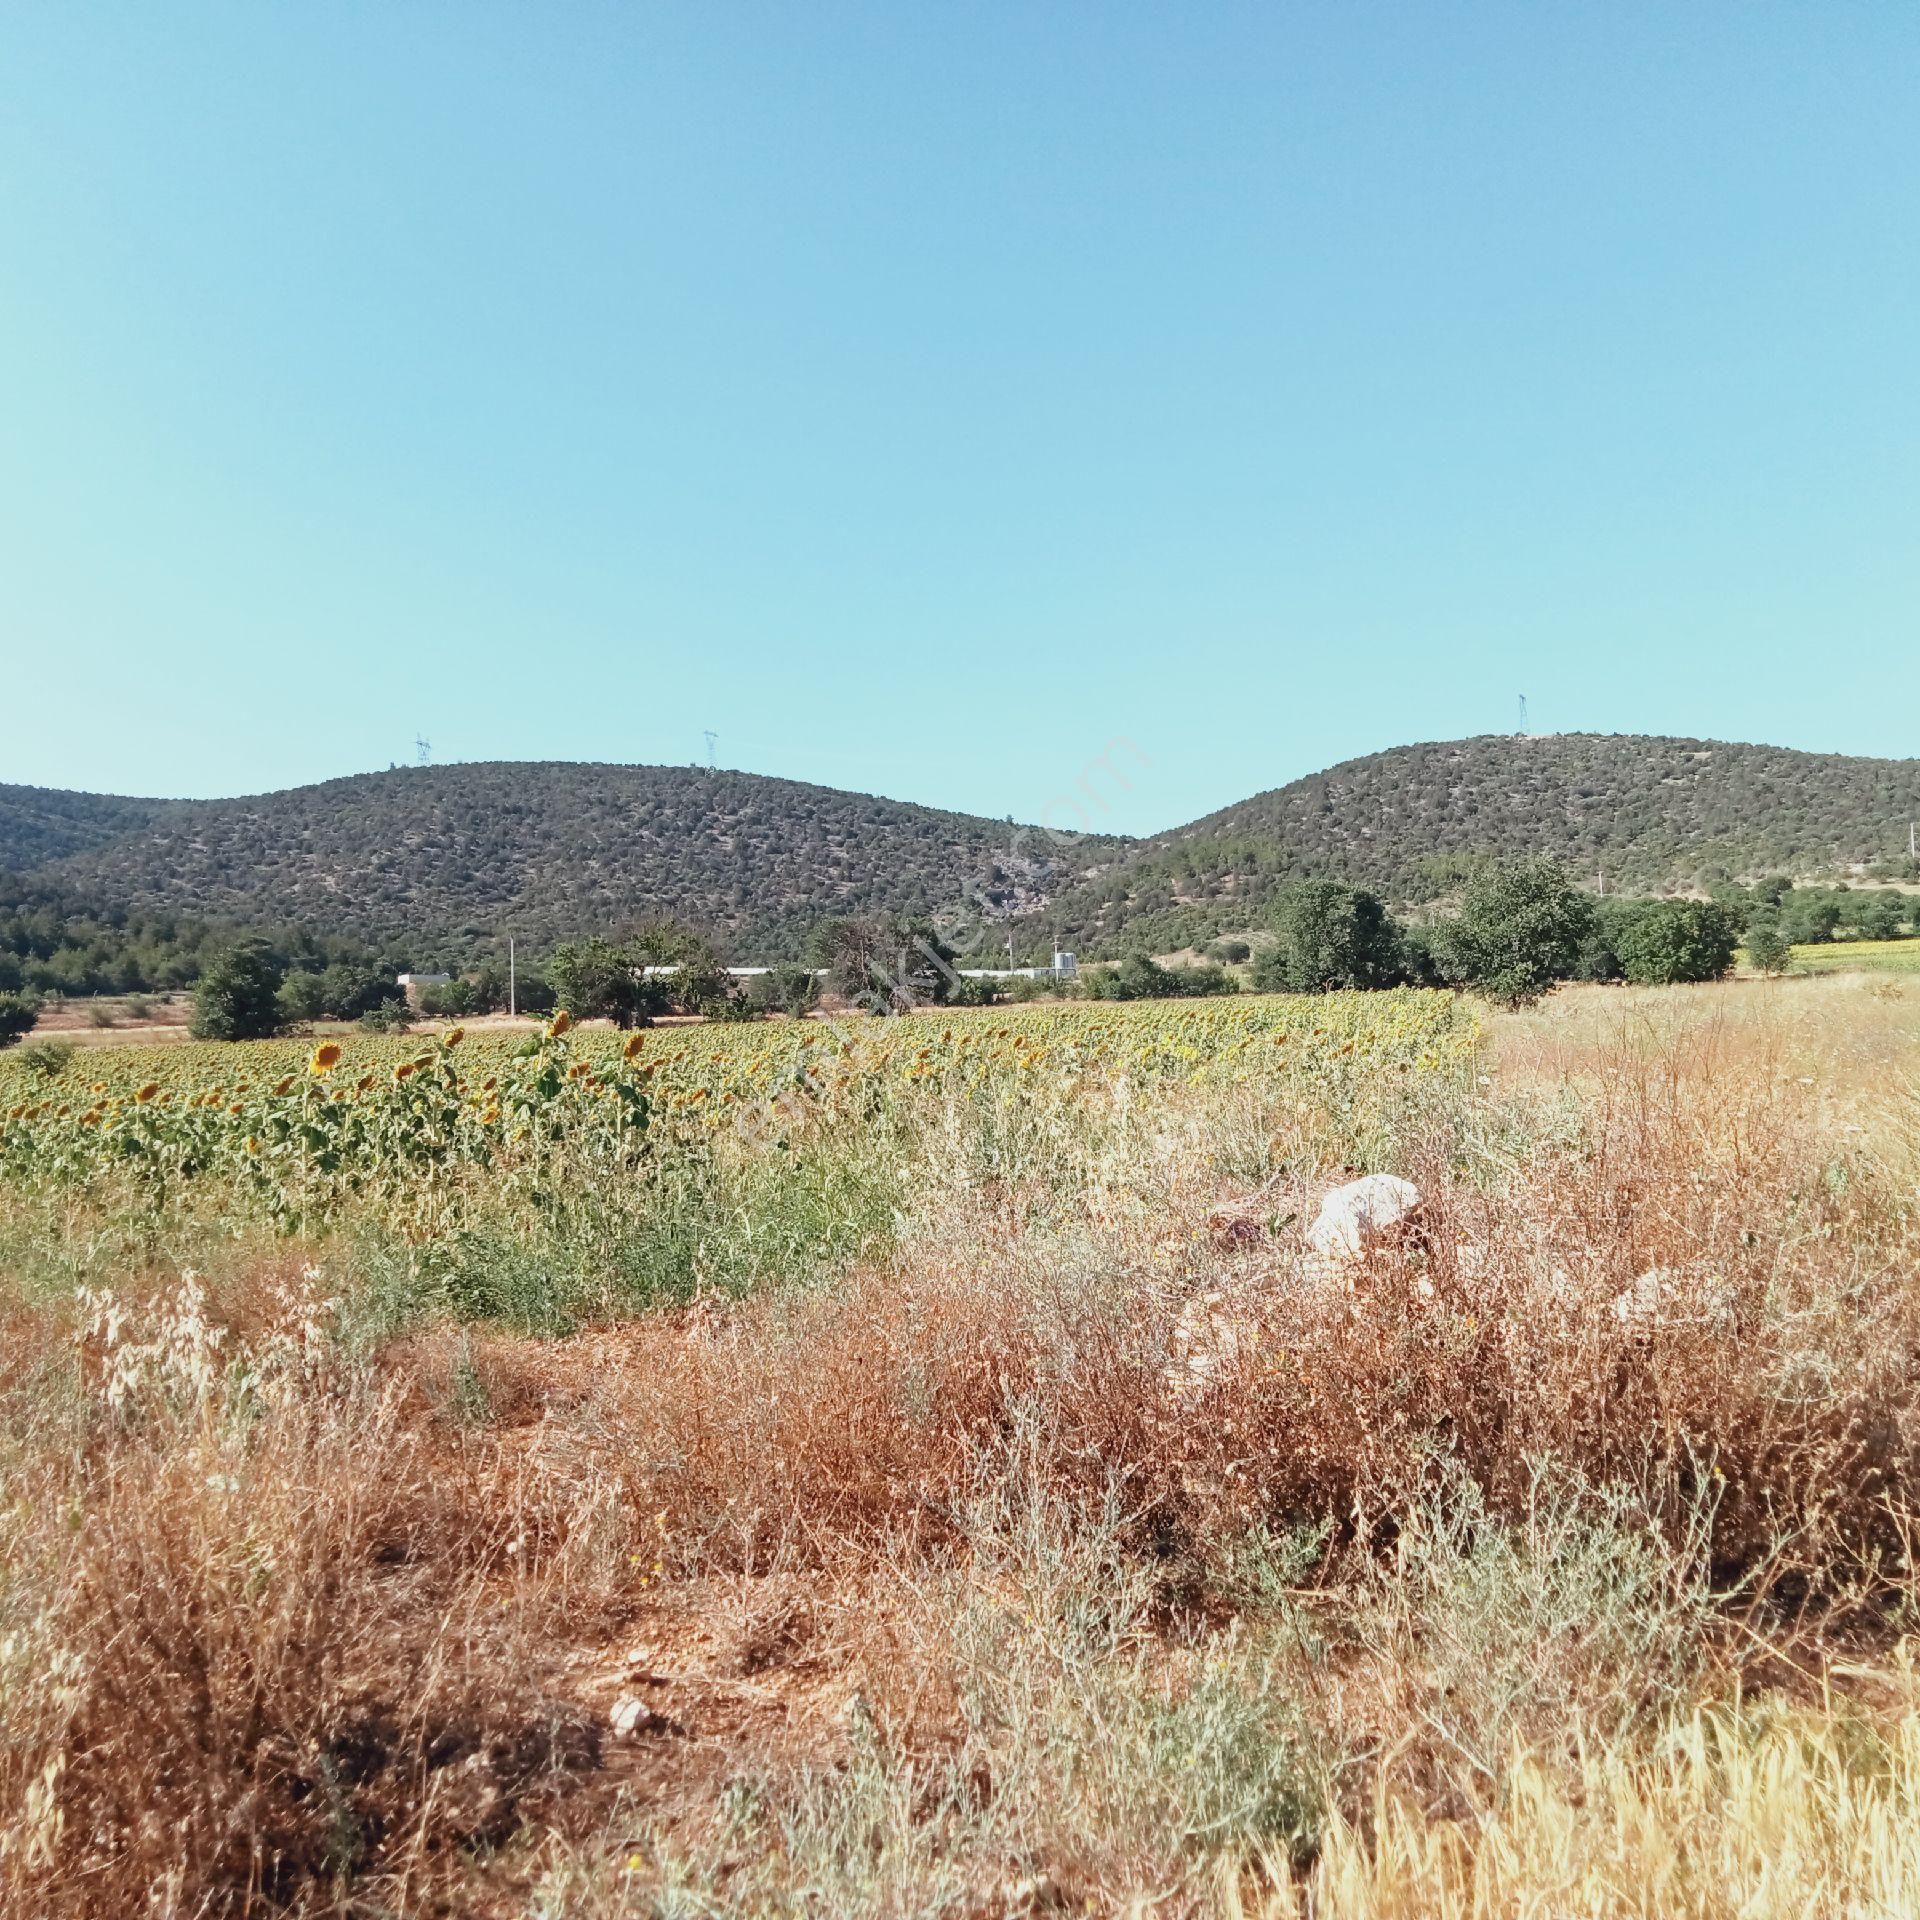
453,1036
558,1025
148,1092
631,1051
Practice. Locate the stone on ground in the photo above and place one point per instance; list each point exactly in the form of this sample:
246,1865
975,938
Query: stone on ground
1356,1218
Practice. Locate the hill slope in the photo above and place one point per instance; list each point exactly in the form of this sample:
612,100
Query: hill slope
38,824
1652,813
449,859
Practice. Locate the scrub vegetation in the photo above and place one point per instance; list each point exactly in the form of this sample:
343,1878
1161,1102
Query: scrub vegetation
921,1465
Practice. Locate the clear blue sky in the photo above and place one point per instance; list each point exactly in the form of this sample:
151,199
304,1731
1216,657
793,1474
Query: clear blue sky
921,396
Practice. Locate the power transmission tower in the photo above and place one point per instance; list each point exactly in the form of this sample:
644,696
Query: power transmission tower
422,750
1523,716
711,738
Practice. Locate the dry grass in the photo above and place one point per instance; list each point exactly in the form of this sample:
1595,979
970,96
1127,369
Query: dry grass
251,1641
1488,1576
1732,1815
1766,1373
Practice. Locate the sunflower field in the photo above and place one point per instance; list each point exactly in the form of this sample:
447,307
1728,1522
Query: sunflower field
312,1134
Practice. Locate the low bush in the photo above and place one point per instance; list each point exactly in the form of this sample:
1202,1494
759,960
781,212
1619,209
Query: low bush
1141,978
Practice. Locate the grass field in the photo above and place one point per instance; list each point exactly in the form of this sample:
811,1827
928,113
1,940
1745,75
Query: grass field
920,1468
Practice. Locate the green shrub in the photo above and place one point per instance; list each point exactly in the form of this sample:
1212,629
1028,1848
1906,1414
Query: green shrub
46,1059
979,993
1810,916
1139,978
1768,950
302,996
18,1012
532,993
1419,966
349,989
453,1001
1599,958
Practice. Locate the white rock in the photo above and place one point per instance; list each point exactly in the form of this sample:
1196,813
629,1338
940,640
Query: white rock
631,1715
1355,1218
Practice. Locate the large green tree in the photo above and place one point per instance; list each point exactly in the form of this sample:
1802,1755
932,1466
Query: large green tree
661,968
698,982
593,979
1326,937
238,995
886,963
1520,930
1668,942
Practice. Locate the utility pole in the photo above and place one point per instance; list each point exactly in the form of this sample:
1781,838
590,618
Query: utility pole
512,984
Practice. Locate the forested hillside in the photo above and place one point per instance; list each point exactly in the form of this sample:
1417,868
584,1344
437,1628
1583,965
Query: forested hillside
38,824
1652,814
445,861
450,859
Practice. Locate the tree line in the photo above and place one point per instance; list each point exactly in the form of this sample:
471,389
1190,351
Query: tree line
1520,927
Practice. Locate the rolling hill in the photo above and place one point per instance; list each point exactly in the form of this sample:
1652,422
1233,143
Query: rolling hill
448,860
444,861
1648,813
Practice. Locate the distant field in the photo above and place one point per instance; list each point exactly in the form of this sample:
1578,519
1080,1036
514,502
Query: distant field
1880,956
